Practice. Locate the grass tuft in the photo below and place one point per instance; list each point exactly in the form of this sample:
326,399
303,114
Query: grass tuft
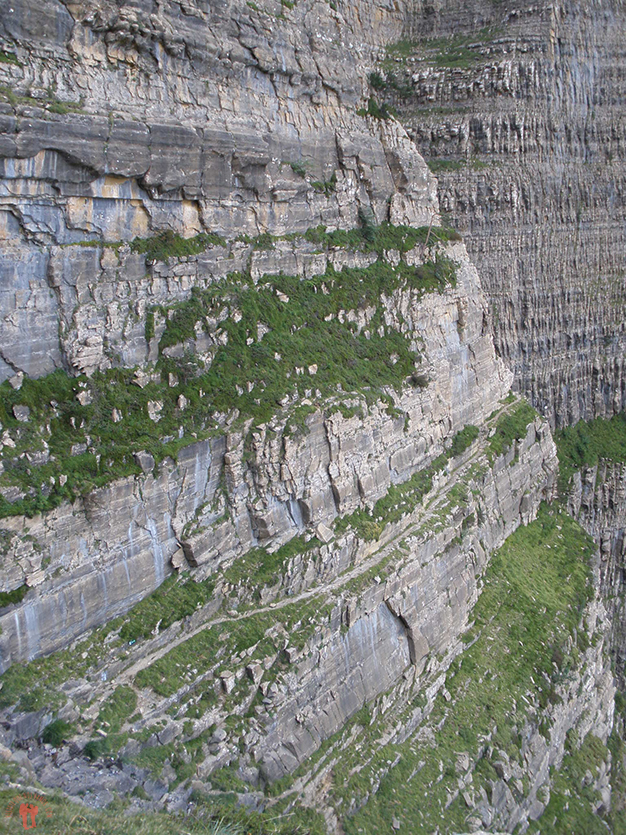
167,244
510,427
585,443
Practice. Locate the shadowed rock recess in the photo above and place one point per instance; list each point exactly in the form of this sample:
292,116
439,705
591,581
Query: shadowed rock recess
285,549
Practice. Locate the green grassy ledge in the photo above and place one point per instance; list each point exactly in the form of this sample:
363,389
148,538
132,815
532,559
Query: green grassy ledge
585,443
66,449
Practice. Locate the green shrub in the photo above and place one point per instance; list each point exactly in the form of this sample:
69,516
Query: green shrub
326,187
378,111
419,380
8,58
57,732
377,81
96,748
118,708
264,241
585,443
463,439
168,244
298,168
149,327
175,599
511,427
437,165
7,598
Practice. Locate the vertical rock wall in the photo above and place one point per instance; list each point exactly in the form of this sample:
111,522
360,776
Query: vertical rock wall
598,501
517,109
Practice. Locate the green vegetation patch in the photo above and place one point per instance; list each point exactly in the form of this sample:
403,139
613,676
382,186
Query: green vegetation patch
301,334
65,449
49,102
455,52
9,58
96,748
259,567
220,642
83,447
326,187
402,499
117,709
378,111
298,167
381,238
36,684
617,747
511,426
437,165
168,244
7,598
176,598
391,83
208,816
463,440
535,590
585,443
57,732
399,500
444,166
572,799
301,318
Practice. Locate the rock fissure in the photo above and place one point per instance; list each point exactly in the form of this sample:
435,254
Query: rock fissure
407,628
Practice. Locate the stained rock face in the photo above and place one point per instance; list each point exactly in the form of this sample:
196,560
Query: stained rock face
214,120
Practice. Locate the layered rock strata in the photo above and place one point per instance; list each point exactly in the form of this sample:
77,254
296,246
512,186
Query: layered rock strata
329,561
598,501
383,614
126,120
92,560
515,110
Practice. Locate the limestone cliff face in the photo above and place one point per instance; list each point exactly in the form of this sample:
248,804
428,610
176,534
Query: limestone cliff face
252,486
515,108
326,557
224,118
129,119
